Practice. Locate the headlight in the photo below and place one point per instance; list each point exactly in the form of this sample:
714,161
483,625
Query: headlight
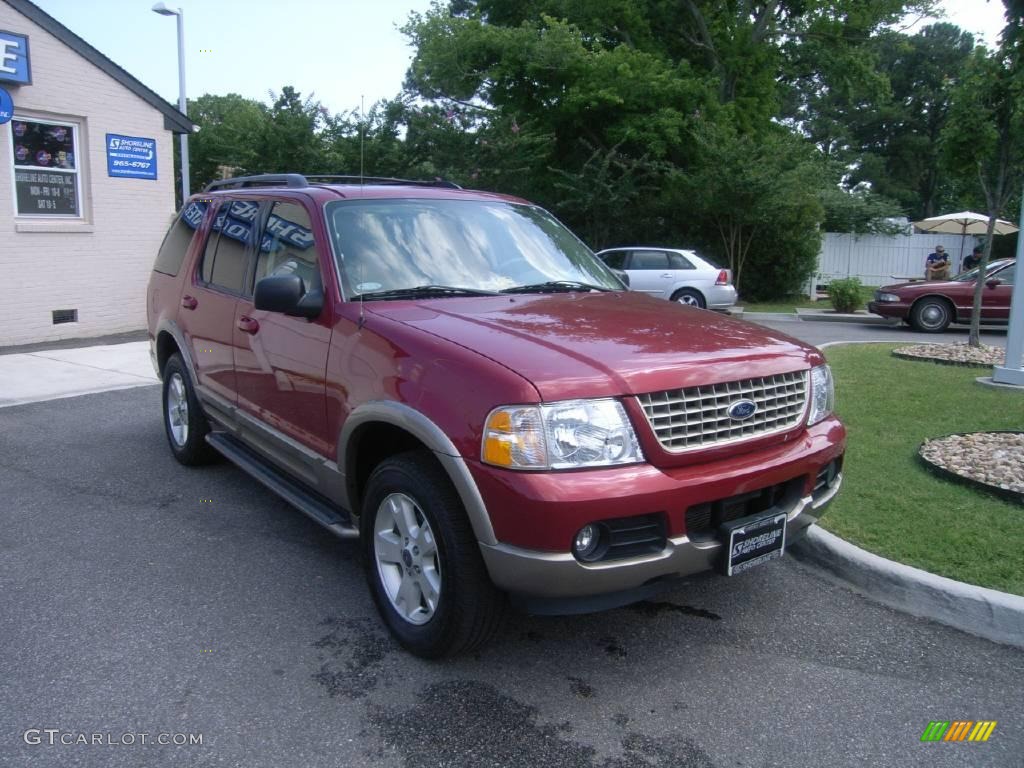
565,435
879,296
823,394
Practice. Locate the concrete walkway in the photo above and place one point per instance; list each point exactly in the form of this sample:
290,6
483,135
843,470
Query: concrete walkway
31,377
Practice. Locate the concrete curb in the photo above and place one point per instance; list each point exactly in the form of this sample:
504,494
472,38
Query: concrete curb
827,316
987,613
986,381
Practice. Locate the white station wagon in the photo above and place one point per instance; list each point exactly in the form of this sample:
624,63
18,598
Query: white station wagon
674,274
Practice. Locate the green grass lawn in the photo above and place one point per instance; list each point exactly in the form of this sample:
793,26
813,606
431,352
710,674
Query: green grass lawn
790,303
890,504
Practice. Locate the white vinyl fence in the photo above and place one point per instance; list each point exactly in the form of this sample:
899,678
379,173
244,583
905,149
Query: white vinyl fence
881,259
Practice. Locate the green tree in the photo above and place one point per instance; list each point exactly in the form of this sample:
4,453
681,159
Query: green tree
228,126
899,143
754,193
601,196
291,139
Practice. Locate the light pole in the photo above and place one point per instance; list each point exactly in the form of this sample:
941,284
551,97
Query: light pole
163,10
1013,371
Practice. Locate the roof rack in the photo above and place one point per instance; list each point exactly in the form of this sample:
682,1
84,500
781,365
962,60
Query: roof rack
298,181
380,180
292,180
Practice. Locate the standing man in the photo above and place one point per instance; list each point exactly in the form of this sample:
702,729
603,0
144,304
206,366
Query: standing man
974,259
936,266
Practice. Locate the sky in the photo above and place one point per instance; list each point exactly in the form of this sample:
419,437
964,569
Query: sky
338,50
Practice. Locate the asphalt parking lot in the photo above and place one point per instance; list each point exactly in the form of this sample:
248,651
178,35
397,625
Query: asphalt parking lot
140,597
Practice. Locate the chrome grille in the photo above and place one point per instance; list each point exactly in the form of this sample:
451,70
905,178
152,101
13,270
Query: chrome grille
697,417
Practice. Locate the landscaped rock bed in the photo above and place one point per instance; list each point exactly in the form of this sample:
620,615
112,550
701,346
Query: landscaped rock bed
994,460
954,354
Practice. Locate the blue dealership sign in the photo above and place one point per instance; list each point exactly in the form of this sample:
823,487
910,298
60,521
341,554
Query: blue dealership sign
131,156
6,107
14,61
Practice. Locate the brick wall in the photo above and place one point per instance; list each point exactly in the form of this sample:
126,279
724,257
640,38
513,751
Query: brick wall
99,265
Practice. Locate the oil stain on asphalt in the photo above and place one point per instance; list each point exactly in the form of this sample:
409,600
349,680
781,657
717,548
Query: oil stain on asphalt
580,687
352,656
467,724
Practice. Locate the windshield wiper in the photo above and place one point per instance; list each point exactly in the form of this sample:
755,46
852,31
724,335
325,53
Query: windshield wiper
555,285
420,291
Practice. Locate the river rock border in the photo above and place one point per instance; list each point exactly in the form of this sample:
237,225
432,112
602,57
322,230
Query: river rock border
963,355
1009,493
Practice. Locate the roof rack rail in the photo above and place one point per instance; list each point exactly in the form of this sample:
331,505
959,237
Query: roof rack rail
292,180
329,178
298,181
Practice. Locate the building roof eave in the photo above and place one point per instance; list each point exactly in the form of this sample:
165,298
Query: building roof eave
174,120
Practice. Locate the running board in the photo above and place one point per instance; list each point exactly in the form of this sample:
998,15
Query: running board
309,502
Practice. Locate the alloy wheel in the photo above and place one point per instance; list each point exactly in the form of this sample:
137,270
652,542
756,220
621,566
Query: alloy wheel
407,559
177,409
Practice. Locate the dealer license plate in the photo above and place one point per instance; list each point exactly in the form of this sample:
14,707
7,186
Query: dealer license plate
753,541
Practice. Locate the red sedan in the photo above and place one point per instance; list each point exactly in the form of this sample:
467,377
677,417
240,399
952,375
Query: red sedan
932,306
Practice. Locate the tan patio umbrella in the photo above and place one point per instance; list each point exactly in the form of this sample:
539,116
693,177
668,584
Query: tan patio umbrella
963,224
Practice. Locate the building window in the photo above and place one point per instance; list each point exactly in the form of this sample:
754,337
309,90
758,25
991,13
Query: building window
46,174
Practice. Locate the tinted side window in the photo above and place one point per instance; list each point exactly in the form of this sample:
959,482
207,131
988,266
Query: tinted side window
206,262
224,259
615,259
678,261
288,246
649,260
178,239
1008,274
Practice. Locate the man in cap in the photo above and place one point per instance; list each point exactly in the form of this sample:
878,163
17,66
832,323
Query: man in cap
936,266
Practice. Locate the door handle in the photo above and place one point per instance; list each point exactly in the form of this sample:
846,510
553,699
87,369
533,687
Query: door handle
188,302
667,275
248,324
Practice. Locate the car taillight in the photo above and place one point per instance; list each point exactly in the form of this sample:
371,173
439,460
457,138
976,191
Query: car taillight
723,277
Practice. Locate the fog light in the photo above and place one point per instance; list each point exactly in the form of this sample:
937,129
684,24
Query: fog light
587,542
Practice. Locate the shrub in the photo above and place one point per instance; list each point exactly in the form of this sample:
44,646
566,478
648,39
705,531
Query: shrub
845,295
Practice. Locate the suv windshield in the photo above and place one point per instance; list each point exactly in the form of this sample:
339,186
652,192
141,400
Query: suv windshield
399,248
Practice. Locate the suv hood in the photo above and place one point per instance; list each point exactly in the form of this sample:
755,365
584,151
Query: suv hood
604,344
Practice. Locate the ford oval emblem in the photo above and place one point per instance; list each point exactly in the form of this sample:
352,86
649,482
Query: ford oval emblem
742,409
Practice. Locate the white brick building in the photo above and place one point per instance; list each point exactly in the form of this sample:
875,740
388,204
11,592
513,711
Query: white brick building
81,214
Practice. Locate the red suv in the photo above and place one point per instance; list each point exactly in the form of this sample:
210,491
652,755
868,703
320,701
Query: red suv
454,378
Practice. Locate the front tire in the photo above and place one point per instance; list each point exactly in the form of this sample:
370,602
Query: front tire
184,423
931,315
689,298
423,562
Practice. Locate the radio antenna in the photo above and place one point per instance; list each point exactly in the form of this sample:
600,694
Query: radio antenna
362,155
362,139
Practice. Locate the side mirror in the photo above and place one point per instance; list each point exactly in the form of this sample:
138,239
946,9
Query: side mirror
287,294
622,275
992,282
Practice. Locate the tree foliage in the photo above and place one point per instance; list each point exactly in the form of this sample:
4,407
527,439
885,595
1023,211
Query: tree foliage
744,129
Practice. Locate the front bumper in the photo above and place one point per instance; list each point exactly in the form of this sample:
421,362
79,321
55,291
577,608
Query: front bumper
892,309
559,577
535,516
